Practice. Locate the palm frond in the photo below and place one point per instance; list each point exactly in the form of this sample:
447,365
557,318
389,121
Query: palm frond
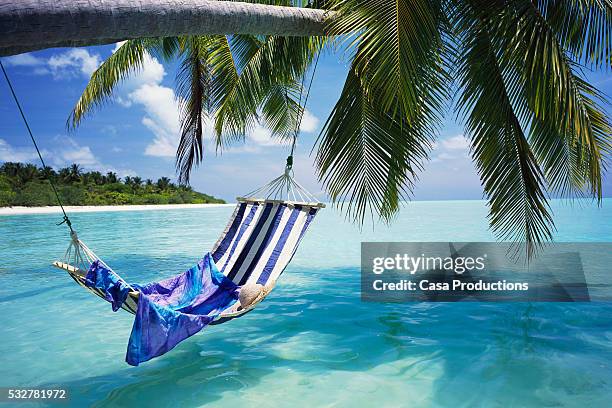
276,62
124,61
224,68
367,159
583,27
383,126
166,48
193,94
511,176
565,138
398,43
281,110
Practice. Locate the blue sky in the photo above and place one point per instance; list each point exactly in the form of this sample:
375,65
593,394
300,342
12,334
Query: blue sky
138,132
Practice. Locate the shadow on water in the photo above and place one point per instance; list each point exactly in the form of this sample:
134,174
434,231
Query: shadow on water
30,293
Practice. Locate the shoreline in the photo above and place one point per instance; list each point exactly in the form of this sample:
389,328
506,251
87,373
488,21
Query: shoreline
8,211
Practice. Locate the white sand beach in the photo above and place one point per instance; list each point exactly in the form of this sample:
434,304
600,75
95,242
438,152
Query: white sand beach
102,208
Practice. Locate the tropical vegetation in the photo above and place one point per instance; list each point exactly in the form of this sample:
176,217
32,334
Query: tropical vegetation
28,185
511,70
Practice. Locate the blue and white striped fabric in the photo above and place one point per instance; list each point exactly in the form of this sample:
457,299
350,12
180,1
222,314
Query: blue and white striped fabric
255,247
260,239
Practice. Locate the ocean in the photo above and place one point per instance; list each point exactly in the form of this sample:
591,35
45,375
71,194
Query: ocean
312,342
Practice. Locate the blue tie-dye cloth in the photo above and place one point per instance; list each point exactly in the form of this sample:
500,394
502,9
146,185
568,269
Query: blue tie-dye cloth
171,310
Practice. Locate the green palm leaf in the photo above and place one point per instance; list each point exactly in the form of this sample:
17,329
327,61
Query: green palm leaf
193,94
398,43
276,63
384,124
566,135
584,28
511,176
124,61
281,110
367,158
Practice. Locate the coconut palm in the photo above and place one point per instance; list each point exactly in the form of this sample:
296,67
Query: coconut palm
28,173
47,173
75,173
96,177
163,183
111,177
510,69
12,169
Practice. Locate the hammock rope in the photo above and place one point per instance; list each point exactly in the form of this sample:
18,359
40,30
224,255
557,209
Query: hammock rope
66,220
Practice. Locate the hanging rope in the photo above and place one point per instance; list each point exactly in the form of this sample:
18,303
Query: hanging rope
302,111
66,220
285,185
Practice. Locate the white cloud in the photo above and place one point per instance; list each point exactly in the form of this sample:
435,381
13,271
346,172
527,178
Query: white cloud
151,73
310,122
9,153
262,136
455,148
69,151
161,118
72,63
159,104
25,60
164,145
144,89
458,142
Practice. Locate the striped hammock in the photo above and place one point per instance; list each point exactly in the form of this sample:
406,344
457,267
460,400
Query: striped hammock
256,246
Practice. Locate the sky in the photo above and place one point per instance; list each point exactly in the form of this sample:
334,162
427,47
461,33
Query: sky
137,132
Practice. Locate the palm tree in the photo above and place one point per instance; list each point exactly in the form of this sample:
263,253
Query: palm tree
97,178
12,169
64,174
510,69
75,173
163,183
137,181
133,182
47,173
28,173
111,177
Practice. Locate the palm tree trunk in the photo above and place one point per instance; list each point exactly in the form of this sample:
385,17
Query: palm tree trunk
28,25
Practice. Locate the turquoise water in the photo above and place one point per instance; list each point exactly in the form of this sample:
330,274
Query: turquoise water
312,342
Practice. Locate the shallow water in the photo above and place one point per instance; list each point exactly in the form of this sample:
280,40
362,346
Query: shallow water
312,342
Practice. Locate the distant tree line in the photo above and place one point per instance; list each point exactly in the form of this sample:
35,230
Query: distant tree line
28,185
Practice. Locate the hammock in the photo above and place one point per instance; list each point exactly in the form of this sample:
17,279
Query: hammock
256,246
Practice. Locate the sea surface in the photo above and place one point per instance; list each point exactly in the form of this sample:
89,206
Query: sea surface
312,343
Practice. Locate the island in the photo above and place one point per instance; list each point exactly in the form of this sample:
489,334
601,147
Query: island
27,185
